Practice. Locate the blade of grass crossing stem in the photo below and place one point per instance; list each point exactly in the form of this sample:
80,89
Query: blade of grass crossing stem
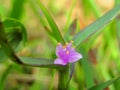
89,77
96,26
52,23
4,76
103,85
17,9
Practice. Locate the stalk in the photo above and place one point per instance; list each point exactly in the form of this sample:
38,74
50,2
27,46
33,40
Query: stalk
63,79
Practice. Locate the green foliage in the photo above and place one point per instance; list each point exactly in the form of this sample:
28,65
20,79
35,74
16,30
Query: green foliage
73,28
87,68
69,16
16,32
6,46
40,62
103,85
13,36
16,36
52,24
96,26
92,7
4,76
17,9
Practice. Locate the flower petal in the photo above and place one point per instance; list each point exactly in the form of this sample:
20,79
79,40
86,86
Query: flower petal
66,54
60,61
74,57
69,47
60,50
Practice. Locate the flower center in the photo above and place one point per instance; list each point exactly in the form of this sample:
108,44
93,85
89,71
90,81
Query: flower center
67,52
64,47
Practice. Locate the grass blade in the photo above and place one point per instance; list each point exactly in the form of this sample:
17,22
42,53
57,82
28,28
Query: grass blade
40,62
96,26
87,67
72,30
92,7
41,18
34,5
102,86
52,23
69,16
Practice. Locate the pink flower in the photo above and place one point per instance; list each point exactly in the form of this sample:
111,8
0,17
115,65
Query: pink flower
66,54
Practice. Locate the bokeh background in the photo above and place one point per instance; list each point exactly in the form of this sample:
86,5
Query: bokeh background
102,49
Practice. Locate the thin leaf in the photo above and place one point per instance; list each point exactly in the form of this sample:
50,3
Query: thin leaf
49,32
71,31
41,17
87,68
71,72
69,16
103,85
52,23
34,5
93,7
118,29
96,26
40,62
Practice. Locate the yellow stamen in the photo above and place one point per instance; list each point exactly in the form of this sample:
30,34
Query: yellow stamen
66,43
67,52
71,41
64,46
58,43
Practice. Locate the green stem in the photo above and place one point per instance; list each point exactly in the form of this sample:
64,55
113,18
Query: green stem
63,78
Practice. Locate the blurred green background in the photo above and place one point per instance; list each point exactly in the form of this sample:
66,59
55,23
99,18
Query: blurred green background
101,50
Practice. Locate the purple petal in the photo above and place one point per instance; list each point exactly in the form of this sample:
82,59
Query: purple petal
60,61
60,50
74,57
69,47
66,54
